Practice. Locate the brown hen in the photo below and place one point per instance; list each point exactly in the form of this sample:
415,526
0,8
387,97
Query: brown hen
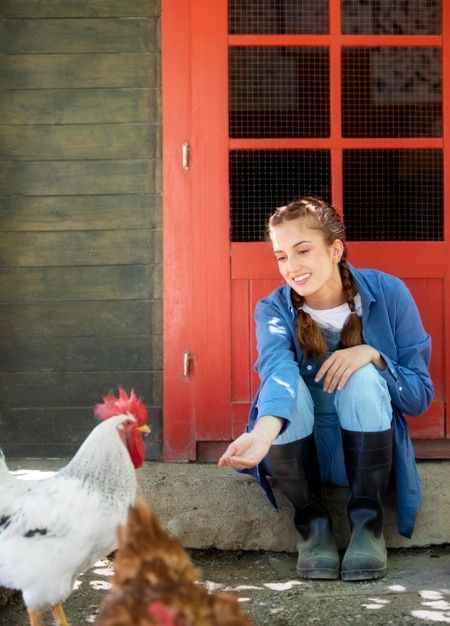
155,582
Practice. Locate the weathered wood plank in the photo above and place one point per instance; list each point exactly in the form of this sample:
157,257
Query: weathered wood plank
77,36
59,432
59,71
60,249
86,318
77,354
78,106
79,8
51,284
65,213
71,389
53,178
35,425
81,141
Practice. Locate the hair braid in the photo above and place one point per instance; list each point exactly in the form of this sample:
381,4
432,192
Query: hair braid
351,334
309,333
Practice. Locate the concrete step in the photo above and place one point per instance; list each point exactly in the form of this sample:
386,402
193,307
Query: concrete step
207,507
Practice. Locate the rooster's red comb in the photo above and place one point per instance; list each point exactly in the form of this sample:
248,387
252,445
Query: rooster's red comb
122,405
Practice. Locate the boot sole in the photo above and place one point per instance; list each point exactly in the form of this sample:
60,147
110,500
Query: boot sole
363,574
318,574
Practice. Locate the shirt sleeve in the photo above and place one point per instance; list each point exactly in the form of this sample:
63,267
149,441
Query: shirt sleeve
276,364
407,376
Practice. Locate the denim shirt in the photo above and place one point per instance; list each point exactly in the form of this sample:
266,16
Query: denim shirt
391,323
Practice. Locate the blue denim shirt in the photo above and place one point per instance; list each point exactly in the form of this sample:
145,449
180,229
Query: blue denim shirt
391,324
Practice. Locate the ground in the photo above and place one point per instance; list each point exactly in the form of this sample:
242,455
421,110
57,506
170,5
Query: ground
415,591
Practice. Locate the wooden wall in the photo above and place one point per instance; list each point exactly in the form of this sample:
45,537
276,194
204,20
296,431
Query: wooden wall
80,217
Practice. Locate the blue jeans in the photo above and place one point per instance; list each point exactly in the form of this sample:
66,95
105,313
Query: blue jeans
363,405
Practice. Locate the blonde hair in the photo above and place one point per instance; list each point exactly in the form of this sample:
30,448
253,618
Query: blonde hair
321,216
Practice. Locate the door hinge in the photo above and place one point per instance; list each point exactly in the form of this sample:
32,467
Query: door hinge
187,359
186,156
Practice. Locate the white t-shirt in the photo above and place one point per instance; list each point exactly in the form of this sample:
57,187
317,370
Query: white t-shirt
335,318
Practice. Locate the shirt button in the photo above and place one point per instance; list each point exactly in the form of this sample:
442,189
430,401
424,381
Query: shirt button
400,388
309,367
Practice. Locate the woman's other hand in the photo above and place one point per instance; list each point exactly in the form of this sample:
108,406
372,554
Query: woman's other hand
249,449
338,368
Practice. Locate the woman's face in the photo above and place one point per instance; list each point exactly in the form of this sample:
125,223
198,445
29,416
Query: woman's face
307,264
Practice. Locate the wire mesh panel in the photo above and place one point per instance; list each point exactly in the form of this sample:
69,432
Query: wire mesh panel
279,92
391,17
278,16
393,195
262,180
391,92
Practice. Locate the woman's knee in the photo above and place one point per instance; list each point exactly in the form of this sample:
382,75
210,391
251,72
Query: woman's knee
364,404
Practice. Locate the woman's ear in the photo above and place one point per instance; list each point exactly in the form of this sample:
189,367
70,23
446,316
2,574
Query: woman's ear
338,249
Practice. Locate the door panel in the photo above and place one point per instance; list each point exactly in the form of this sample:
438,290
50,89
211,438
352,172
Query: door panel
288,99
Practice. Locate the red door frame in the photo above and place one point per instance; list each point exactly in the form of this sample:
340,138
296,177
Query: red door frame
197,268
196,226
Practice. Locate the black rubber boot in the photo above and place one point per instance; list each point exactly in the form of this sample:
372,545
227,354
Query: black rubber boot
295,468
368,462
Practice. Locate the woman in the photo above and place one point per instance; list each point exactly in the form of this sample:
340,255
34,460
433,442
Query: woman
342,357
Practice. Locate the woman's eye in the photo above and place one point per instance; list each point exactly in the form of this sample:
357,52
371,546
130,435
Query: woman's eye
280,259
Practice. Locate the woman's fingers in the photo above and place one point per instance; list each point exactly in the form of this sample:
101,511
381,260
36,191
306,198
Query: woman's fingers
247,451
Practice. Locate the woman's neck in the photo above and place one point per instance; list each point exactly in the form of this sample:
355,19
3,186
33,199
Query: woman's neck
329,296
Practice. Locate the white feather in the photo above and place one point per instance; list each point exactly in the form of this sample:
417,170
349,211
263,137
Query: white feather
56,527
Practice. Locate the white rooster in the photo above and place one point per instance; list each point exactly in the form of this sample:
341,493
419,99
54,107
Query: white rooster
53,529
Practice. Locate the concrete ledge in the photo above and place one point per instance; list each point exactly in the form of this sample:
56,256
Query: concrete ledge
211,508
207,507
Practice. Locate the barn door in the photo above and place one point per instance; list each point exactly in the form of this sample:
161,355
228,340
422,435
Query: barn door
340,100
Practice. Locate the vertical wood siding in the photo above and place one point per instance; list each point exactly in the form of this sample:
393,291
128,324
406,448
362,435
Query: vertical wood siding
80,217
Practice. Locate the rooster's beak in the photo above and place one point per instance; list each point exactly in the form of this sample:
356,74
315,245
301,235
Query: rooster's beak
144,429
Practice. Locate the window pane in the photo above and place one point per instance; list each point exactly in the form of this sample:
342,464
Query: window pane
391,17
279,92
262,180
393,195
391,92
278,16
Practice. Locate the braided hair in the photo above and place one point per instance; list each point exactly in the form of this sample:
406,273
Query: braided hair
321,216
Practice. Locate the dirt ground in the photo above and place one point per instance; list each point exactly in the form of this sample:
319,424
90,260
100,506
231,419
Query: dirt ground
415,591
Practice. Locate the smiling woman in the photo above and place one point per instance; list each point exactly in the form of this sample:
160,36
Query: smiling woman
347,360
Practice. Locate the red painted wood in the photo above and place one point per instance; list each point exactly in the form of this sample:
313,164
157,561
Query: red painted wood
240,341
211,300
335,102
177,250
429,296
239,416
408,259
435,449
446,132
344,143
364,41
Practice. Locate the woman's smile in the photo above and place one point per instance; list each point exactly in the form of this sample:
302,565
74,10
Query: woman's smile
301,278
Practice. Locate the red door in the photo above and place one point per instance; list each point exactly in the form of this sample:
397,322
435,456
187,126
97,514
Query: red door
262,104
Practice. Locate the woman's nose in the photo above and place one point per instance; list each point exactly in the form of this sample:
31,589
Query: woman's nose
293,264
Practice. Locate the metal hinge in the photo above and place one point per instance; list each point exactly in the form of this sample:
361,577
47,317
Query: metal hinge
187,359
186,156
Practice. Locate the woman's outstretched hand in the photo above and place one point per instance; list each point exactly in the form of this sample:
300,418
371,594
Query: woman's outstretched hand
338,368
250,448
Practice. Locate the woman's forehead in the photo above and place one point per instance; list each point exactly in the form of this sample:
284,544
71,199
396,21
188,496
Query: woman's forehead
293,231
